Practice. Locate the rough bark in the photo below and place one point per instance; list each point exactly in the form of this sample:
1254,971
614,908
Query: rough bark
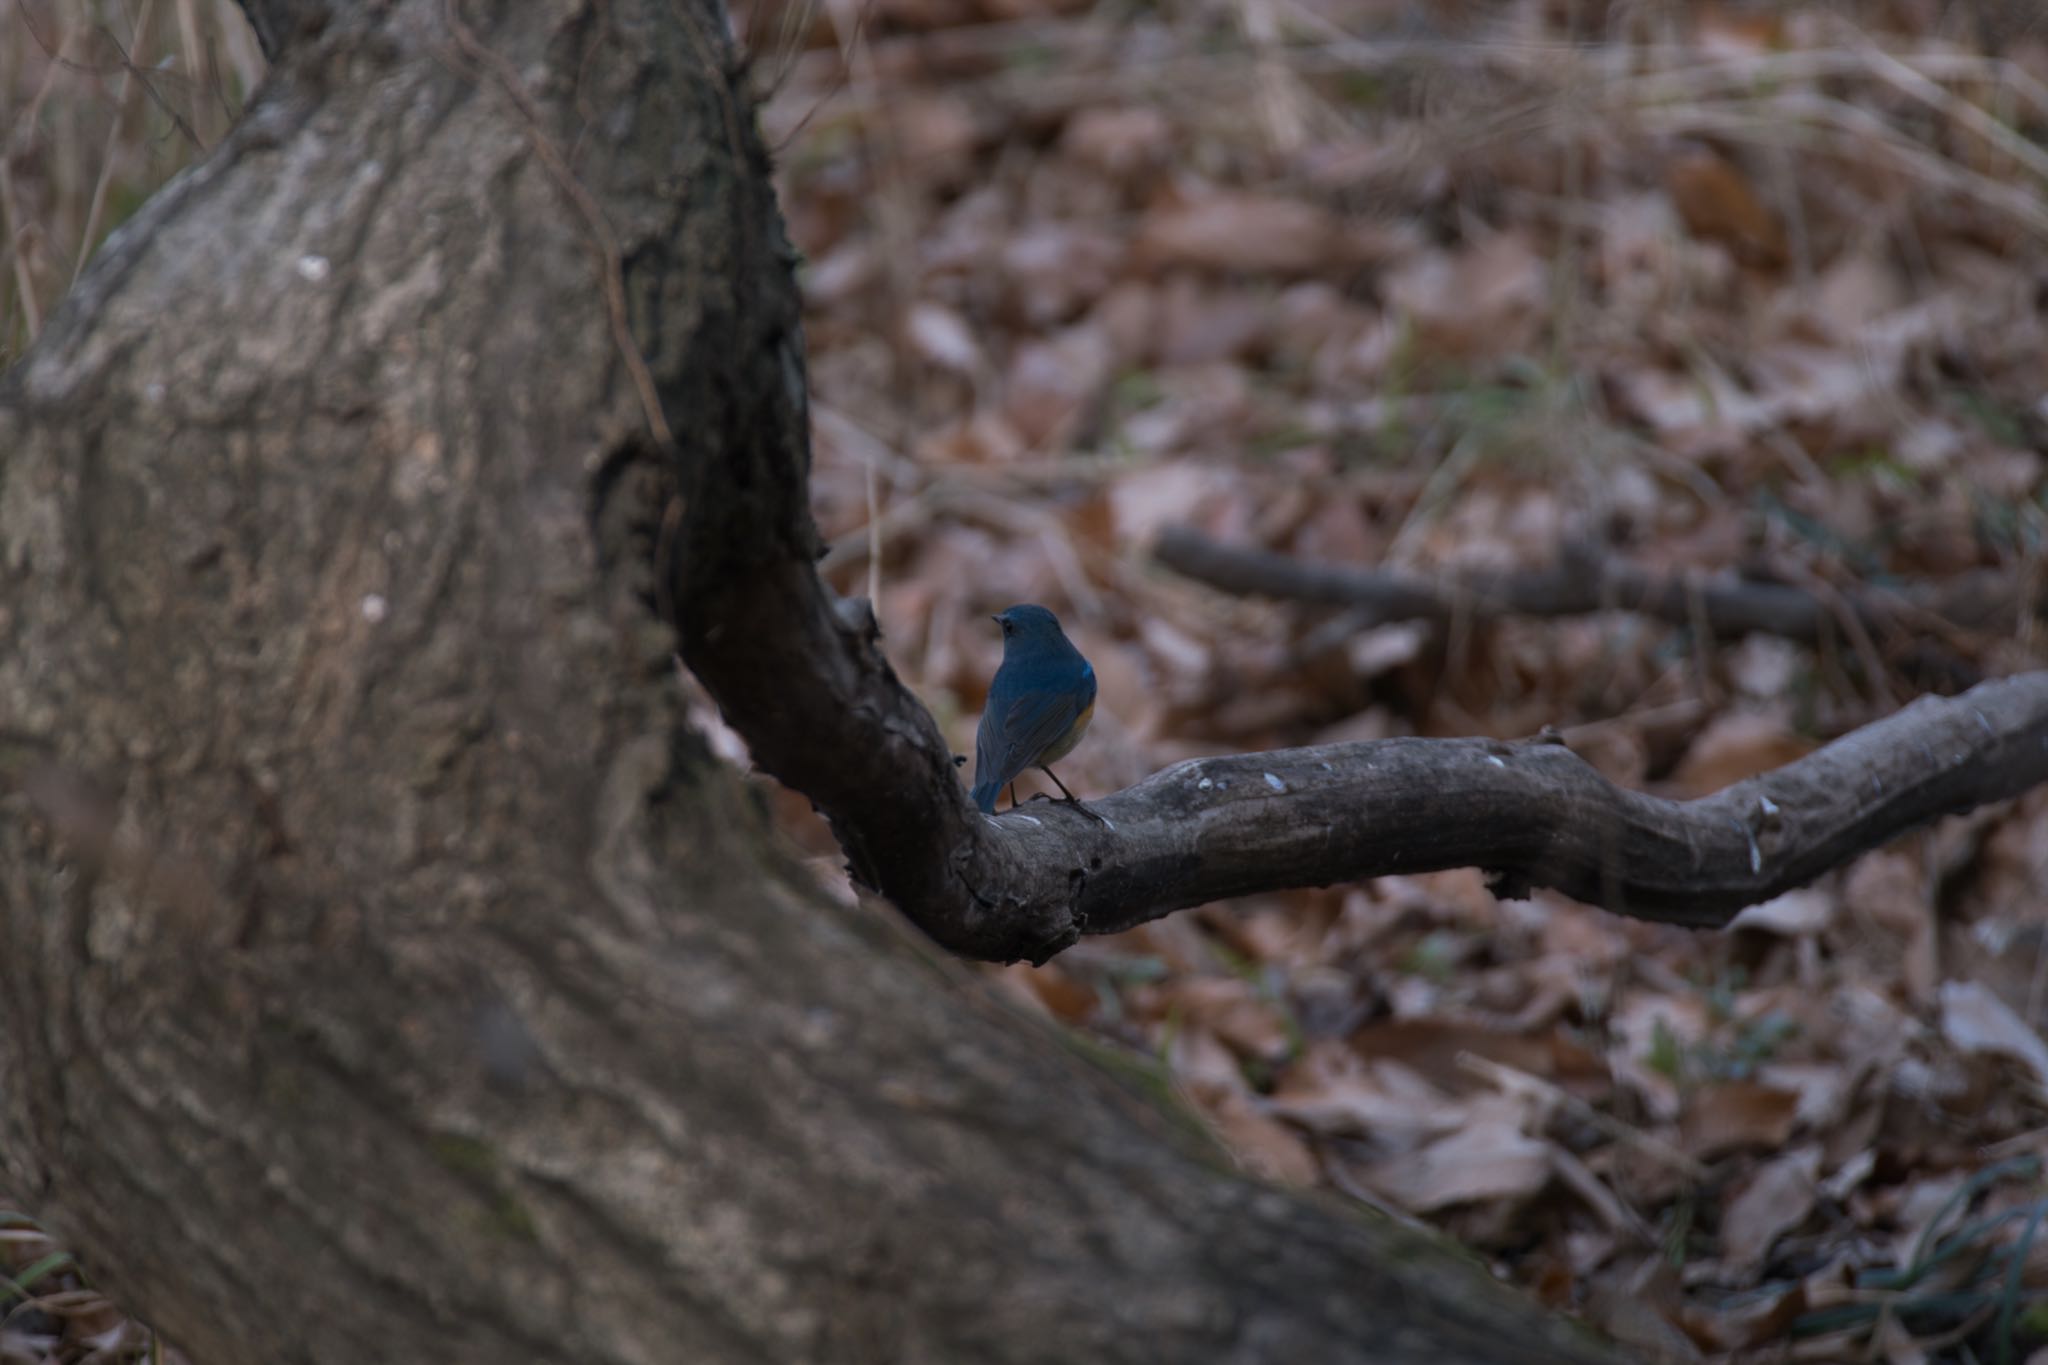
280,22
385,971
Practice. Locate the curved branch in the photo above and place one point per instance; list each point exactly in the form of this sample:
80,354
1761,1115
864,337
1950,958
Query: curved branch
1580,584
1532,813
1027,884
806,683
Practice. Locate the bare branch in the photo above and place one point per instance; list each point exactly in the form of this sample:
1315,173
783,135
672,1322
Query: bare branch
810,690
1532,813
1581,583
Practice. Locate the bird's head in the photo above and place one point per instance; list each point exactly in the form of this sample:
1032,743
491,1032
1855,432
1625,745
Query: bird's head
1027,621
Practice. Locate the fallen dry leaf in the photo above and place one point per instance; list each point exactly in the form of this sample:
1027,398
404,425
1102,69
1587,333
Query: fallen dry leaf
1751,1320
1975,1020
1473,305
1489,1158
1117,140
1792,915
1431,1047
1228,1007
942,338
1334,1093
1245,232
1771,1202
1050,384
1717,201
1736,745
1267,1147
1635,1305
1726,1115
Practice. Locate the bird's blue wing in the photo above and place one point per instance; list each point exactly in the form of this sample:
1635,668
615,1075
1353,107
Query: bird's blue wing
1015,730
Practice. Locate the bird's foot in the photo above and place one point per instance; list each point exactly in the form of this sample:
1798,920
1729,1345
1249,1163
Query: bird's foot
1072,802
1075,802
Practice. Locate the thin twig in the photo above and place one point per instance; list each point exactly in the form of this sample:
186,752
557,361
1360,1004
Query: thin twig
106,177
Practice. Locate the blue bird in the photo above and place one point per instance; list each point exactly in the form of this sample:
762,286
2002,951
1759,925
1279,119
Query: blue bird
1038,706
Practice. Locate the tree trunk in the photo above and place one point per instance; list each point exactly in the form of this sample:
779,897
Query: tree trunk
386,972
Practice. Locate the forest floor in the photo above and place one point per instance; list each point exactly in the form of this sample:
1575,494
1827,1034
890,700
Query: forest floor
1738,291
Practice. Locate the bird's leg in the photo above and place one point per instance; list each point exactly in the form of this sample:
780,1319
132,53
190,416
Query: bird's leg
1013,796
1061,785
1072,799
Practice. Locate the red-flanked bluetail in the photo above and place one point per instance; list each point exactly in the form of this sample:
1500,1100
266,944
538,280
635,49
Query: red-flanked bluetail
1038,705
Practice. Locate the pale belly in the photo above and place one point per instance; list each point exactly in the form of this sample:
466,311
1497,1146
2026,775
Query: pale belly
1060,748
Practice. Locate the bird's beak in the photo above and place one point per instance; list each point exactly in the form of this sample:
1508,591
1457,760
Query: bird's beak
997,619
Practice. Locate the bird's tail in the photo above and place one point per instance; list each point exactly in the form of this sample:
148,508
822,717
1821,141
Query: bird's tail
985,794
